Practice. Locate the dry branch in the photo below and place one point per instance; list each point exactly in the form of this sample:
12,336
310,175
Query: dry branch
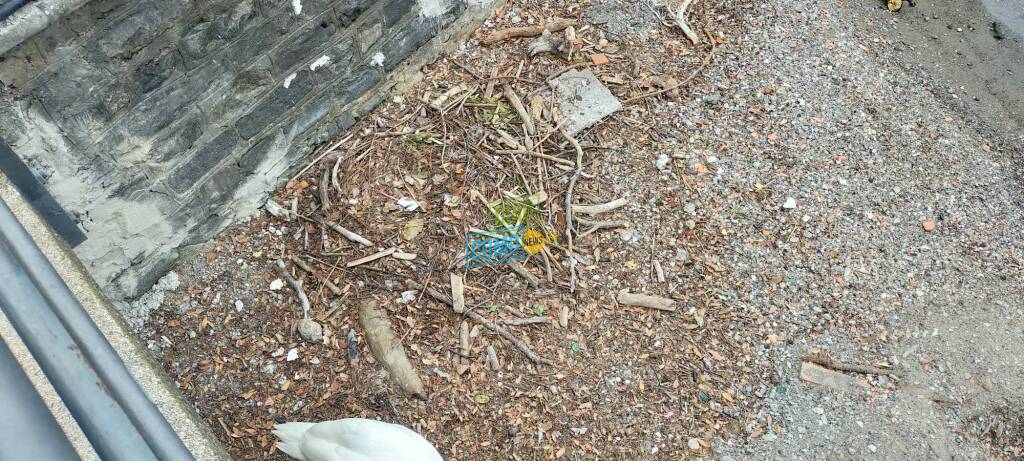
851,367
600,208
521,270
308,328
320,276
373,257
509,337
685,26
351,236
517,104
525,321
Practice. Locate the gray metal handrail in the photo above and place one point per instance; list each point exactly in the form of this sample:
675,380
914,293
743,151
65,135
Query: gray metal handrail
111,408
27,422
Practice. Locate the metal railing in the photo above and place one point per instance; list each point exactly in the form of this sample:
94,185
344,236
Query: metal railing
114,413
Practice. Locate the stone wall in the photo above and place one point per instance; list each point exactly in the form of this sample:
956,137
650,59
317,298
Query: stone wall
158,122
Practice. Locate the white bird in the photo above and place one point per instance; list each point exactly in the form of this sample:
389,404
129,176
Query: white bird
353,439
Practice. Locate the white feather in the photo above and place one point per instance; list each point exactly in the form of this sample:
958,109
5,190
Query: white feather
353,439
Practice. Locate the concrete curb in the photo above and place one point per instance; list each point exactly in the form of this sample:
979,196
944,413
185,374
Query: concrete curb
32,18
196,436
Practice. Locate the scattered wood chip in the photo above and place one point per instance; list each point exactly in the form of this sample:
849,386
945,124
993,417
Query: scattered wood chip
403,256
642,300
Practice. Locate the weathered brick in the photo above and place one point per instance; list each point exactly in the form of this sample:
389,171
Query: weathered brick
229,24
171,101
178,139
241,93
309,115
282,13
22,63
65,88
393,10
356,83
259,151
301,46
90,16
203,161
153,73
271,109
349,10
134,31
251,46
369,33
402,41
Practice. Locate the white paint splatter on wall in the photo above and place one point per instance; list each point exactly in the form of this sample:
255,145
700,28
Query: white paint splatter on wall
288,80
297,6
431,8
377,59
323,61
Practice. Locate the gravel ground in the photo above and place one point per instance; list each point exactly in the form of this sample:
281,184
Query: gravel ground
811,191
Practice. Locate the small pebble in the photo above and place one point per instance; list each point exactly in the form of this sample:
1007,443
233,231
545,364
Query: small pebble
790,203
928,226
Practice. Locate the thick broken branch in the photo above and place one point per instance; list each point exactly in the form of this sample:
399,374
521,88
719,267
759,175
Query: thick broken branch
641,300
387,348
528,31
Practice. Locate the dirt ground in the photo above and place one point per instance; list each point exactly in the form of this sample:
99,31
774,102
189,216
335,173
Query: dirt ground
804,185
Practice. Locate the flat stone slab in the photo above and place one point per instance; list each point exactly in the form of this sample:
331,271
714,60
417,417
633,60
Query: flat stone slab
582,100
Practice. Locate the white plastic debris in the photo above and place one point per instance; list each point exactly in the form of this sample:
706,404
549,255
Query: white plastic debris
790,203
377,59
322,61
409,204
276,284
293,354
